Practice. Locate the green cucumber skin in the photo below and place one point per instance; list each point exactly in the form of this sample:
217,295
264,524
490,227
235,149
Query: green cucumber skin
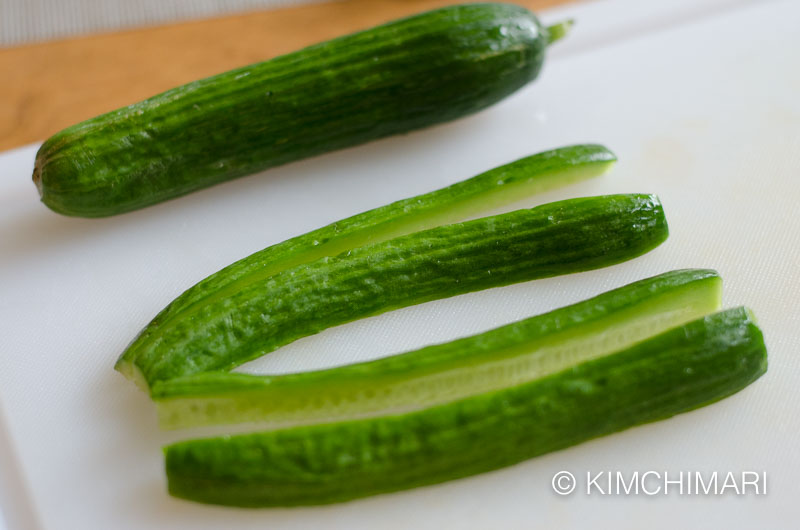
695,291
492,188
394,78
556,238
680,370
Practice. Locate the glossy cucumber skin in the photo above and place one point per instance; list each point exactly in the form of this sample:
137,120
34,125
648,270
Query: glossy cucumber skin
405,75
445,372
495,187
553,239
677,371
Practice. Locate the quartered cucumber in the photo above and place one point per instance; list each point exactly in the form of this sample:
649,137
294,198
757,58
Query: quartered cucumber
405,75
493,188
556,238
677,371
493,360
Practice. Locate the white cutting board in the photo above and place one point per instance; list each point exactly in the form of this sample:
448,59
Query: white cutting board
700,100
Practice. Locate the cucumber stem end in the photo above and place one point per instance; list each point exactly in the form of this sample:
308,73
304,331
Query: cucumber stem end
559,31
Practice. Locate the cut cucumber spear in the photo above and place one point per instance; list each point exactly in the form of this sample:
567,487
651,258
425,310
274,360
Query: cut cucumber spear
552,239
677,371
496,359
502,185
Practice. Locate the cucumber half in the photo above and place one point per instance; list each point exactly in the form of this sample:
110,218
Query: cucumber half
679,370
496,359
494,188
553,239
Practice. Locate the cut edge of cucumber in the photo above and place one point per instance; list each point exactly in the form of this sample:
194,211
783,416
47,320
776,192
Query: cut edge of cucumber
442,373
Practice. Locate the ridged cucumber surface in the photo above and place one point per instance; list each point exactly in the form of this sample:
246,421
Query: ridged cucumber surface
674,372
510,355
496,187
404,75
556,238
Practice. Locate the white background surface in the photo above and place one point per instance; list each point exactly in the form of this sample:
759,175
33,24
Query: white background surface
699,101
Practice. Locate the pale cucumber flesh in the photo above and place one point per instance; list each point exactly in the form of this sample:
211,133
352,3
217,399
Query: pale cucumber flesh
507,356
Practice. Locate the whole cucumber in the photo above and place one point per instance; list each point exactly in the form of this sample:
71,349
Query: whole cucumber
404,75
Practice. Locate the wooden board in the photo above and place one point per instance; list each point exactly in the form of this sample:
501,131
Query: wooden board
55,84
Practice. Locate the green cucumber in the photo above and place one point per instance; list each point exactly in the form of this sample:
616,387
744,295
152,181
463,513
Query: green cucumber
556,238
394,78
493,188
674,372
496,359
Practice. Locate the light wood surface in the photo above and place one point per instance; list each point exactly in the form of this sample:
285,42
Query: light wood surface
52,85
